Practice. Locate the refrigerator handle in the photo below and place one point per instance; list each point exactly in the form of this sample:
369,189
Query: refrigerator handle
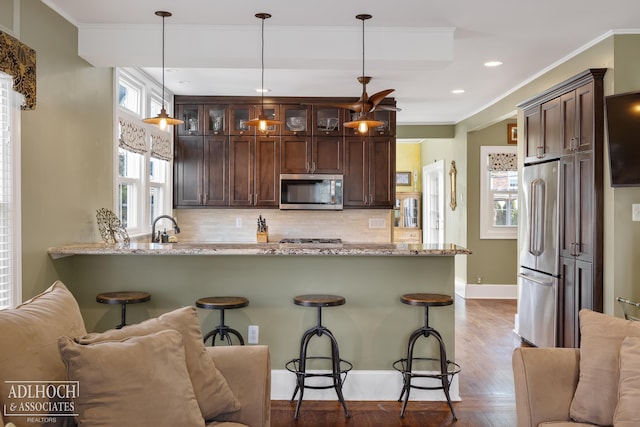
538,281
536,225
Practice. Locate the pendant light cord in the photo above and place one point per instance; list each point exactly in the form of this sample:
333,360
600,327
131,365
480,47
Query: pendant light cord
262,67
163,17
364,85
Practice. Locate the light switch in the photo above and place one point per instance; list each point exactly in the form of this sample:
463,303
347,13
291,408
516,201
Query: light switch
635,212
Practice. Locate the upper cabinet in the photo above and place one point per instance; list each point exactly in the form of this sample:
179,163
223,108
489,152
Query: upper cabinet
221,161
296,119
327,120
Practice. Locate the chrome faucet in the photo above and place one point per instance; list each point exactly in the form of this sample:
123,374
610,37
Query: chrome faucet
156,239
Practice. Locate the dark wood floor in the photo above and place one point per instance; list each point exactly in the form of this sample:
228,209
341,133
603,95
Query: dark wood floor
484,343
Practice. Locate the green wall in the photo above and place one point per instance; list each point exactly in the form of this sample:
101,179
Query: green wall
67,147
494,260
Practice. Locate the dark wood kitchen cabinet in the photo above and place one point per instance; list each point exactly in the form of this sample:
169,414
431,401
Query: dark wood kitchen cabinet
254,171
577,114
200,170
543,131
573,113
311,154
369,175
220,161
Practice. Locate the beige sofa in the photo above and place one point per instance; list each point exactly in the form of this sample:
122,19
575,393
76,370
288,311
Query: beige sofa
158,372
598,384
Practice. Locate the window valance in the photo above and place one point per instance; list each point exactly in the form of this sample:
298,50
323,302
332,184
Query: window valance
161,145
133,135
19,60
502,162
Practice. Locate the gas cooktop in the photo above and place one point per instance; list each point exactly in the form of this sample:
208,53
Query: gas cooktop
319,241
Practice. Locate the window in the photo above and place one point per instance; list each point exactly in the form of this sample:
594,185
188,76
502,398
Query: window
10,250
498,193
144,154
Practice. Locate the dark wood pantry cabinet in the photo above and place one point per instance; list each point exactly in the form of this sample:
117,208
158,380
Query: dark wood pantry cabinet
219,161
567,122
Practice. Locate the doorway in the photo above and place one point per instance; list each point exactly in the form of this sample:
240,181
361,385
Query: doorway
433,203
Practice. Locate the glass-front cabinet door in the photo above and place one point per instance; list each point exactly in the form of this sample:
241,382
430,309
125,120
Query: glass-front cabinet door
192,116
296,119
215,117
388,119
327,120
239,116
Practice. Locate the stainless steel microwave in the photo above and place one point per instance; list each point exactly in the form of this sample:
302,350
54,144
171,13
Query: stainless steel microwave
312,192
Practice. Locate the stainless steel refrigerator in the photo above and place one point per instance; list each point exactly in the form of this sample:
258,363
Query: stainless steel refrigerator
539,274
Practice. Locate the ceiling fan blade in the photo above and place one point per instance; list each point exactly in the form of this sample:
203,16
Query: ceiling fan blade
377,97
355,106
386,107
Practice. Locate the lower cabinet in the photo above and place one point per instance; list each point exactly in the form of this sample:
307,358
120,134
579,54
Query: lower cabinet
575,294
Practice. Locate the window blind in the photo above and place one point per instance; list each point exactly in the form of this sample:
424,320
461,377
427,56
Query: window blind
9,197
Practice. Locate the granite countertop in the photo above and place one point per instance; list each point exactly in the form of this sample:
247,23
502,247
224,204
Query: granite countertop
341,249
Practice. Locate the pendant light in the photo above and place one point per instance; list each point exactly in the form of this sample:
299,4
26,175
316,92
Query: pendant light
262,122
163,119
365,119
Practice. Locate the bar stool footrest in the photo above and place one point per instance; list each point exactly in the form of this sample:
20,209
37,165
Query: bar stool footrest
294,367
452,369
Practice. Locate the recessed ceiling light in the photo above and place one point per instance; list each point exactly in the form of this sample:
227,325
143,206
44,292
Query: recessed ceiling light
171,70
263,90
457,91
493,63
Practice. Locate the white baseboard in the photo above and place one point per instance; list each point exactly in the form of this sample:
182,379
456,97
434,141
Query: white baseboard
486,291
360,385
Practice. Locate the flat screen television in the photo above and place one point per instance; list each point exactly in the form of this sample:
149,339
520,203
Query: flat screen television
623,129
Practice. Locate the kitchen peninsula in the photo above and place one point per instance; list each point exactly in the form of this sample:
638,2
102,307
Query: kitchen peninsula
372,327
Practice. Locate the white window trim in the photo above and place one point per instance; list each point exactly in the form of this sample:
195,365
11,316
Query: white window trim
150,89
487,230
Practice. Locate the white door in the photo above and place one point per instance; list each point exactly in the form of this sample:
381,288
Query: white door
433,203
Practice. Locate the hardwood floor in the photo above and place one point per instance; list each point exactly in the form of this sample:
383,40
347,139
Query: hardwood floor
484,343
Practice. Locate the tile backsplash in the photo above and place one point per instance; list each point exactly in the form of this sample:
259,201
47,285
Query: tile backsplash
239,225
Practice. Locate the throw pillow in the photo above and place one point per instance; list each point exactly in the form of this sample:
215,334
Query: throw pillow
29,334
596,395
139,381
211,388
628,411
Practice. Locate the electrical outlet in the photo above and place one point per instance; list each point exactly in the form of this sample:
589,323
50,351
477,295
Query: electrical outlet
635,212
239,222
253,334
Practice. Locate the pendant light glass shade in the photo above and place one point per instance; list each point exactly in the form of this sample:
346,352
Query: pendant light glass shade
262,122
364,120
163,119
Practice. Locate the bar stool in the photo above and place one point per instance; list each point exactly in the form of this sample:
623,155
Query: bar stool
447,368
339,367
222,303
123,298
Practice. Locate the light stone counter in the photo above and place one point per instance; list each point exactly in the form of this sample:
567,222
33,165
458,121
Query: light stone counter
345,249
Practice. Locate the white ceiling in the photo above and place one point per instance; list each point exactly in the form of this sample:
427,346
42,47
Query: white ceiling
423,49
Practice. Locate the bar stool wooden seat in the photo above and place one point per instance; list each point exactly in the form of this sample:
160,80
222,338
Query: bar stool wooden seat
447,368
339,367
222,304
123,298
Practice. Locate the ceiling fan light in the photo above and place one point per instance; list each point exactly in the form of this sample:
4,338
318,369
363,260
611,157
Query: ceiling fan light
163,119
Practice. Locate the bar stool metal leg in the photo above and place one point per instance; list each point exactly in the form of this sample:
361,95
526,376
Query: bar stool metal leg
224,331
